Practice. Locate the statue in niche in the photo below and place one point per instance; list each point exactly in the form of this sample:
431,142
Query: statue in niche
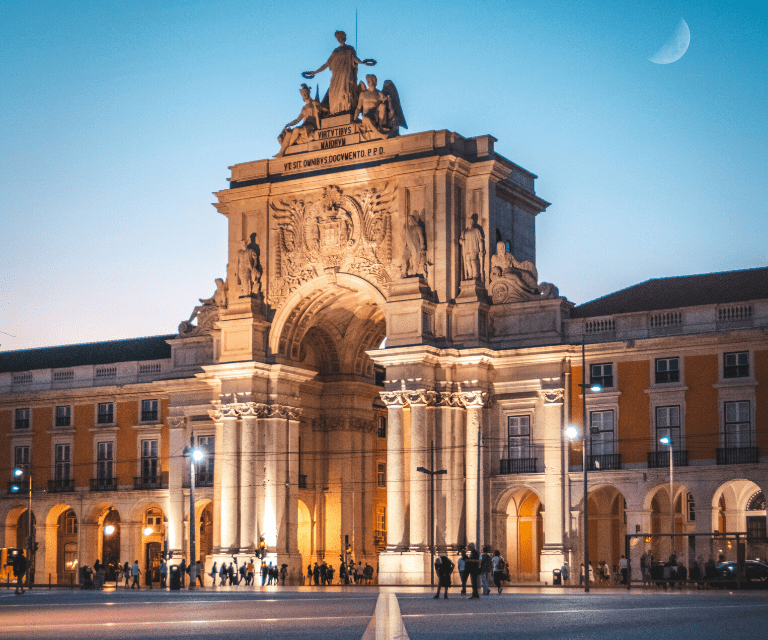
473,250
310,114
206,313
249,269
342,94
380,110
415,254
513,281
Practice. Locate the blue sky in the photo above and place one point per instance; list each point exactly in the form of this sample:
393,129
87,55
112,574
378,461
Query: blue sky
118,120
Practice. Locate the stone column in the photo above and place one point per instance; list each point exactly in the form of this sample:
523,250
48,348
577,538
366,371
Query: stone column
271,507
247,463
553,444
292,483
473,401
46,557
396,486
225,476
638,521
419,481
176,470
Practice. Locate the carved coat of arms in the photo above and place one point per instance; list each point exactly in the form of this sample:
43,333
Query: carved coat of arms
350,233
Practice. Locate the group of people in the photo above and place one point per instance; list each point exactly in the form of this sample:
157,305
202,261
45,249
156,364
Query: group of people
233,574
672,573
481,569
322,574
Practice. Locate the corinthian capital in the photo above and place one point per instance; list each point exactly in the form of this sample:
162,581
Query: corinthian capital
472,399
222,411
420,397
393,398
253,409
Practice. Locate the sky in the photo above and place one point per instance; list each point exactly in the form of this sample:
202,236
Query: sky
118,120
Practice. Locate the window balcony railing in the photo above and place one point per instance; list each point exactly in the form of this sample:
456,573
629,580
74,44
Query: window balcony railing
63,421
149,416
160,481
302,481
103,484
660,459
202,479
605,462
737,455
61,485
517,465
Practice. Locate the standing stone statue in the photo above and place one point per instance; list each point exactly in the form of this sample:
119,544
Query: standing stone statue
415,254
473,250
342,94
249,269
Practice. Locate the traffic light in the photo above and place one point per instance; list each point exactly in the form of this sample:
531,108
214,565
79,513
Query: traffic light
262,548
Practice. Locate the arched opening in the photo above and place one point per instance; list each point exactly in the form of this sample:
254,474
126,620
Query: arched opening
153,538
525,535
739,507
662,520
205,537
66,547
304,533
22,529
607,527
109,541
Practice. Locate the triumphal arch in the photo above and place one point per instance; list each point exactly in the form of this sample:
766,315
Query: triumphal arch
379,283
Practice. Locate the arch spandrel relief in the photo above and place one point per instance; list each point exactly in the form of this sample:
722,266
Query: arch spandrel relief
333,231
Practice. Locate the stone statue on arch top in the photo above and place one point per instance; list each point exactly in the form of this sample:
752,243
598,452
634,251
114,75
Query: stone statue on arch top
207,312
310,114
473,250
381,112
249,269
342,94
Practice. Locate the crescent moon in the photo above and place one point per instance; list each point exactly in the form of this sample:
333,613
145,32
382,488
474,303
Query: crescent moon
675,47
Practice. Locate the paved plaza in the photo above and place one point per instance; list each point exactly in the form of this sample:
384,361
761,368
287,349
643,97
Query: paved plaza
338,613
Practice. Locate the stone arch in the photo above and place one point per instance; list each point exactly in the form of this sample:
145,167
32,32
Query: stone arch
524,533
729,505
305,532
660,510
58,535
11,525
204,528
607,526
147,534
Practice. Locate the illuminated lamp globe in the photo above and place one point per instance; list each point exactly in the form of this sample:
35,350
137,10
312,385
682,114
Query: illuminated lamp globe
571,433
197,455
665,440
109,530
148,531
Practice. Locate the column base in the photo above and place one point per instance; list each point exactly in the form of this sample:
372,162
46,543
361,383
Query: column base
552,557
407,567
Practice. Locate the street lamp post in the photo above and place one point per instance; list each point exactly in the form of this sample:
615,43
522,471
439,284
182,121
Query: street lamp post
667,440
18,472
195,455
431,473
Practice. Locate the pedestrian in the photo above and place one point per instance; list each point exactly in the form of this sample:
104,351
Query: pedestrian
223,574
283,573
581,575
249,572
309,574
163,573
591,574
463,571
624,569
498,565
606,573
265,573
331,571
473,566
183,571
486,568
444,569
645,567
19,570
135,573
243,571
214,573
231,574
316,575
565,572
199,572
323,573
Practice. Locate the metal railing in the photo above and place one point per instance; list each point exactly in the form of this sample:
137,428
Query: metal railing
660,459
606,462
737,455
61,485
103,484
160,481
517,465
202,479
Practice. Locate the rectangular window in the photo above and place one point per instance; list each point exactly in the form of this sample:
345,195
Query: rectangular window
668,424
70,522
381,519
149,460
63,416
601,374
381,475
736,365
667,370
692,508
105,460
601,430
382,427
21,459
738,430
205,466
149,410
21,419
106,413
518,437
63,462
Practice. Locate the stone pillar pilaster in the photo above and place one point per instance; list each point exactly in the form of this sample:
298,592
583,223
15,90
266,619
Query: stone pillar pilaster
419,481
225,477
396,485
272,511
552,556
247,464
473,401
292,480
176,469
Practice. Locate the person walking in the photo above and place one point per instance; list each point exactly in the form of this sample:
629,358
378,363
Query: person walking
624,569
249,572
183,571
243,574
309,575
163,573
135,573
214,573
19,570
126,573
486,567
444,569
498,566
316,575
223,574
473,566
199,573
231,574
463,571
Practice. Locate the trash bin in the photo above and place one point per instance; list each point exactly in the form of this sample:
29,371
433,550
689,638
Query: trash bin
556,577
174,577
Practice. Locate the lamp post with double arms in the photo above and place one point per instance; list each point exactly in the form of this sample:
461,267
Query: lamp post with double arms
432,473
195,455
